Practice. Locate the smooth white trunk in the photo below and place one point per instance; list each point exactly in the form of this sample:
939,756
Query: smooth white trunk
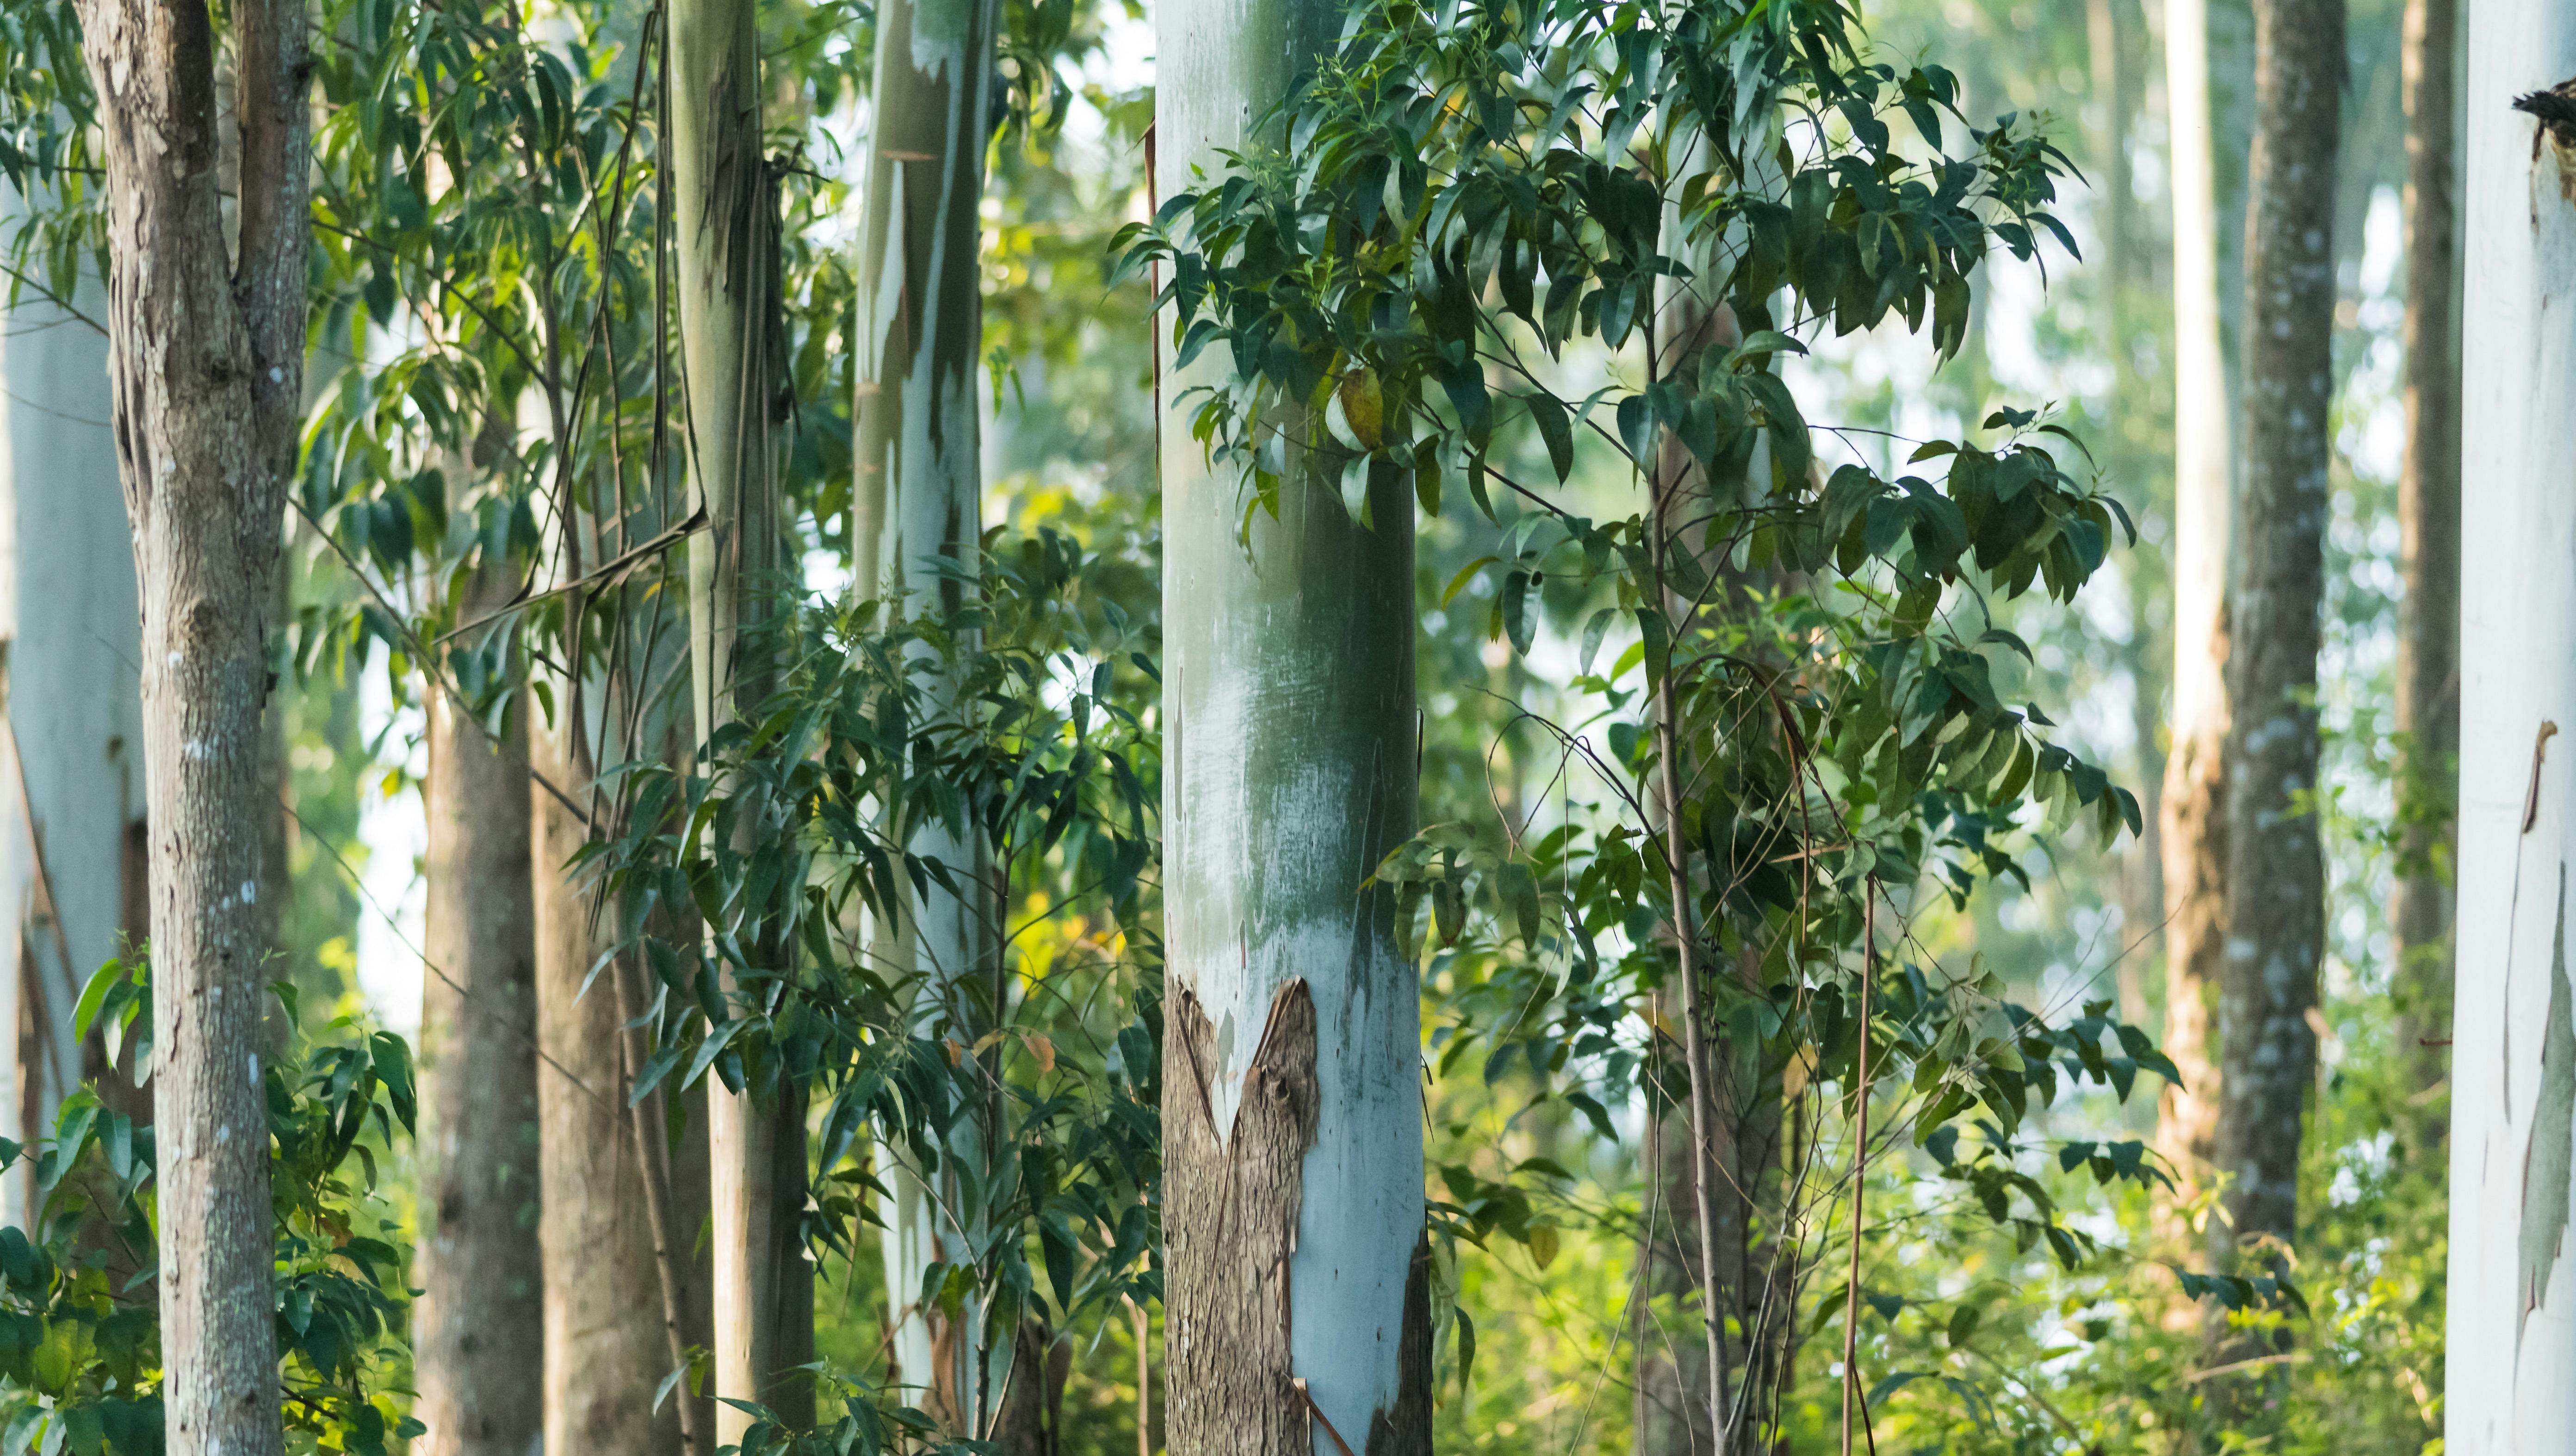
71,766
2512,1323
1288,771
917,504
2204,476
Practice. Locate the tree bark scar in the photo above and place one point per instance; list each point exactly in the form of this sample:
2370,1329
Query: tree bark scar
1406,1430
1230,1221
2539,753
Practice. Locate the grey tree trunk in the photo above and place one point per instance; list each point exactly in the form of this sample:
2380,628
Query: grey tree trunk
71,760
604,1352
478,1328
916,508
763,1302
2428,616
2275,876
1292,1109
207,359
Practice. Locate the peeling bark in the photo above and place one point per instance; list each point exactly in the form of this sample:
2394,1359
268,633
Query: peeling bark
915,526
1288,776
2507,1388
763,1303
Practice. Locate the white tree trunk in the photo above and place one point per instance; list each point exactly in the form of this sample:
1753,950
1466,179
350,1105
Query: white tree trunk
2512,1326
917,501
764,1288
1292,1066
2204,474
71,762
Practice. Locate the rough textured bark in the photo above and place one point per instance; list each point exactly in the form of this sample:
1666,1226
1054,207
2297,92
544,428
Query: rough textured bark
2275,875
2194,834
478,1328
916,509
71,765
2428,616
207,359
603,1357
1289,772
764,1288
2511,1330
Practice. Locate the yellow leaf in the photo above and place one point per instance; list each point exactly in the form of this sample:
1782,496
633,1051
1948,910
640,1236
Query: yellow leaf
1542,1245
1364,405
1802,1065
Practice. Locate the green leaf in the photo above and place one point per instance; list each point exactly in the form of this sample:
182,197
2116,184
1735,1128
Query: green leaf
1465,574
1548,413
1517,617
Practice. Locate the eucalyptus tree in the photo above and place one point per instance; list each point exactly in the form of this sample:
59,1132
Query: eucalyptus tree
2275,875
483,214
2513,1102
2428,514
725,240
1412,275
915,543
1291,1102
206,230
2193,826
72,844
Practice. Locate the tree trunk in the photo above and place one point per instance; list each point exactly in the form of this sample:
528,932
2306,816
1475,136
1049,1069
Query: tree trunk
1292,1109
207,360
2428,521
726,229
917,503
2195,848
71,772
604,1354
2275,878
479,1327
2512,1325
1671,1416
2112,40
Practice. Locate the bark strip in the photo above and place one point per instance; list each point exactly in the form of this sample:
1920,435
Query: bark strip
1231,1203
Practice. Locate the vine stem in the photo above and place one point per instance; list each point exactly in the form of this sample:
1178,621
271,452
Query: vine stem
652,1153
1860,1161
1703,1111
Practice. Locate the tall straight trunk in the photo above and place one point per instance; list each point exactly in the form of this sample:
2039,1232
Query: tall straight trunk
917,505
2195,844
604,1354
726,231
2428,616
2111,36
479,1327
2511,1330
71,764
1292,1108
207,359
2276,864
